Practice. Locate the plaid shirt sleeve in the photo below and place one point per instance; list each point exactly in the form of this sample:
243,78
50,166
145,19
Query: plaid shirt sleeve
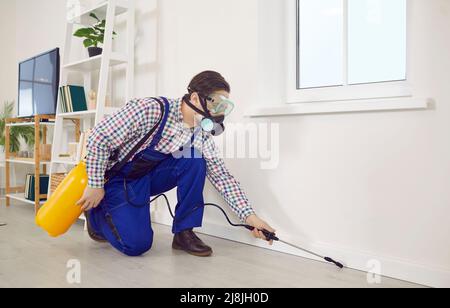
112,133
224,182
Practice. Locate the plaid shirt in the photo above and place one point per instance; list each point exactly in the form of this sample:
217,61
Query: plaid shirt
114,137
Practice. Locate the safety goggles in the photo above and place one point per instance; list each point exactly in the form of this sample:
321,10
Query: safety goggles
219,105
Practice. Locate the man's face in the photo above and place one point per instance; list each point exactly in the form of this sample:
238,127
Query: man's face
218,103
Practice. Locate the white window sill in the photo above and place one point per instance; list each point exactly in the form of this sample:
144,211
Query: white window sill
371,105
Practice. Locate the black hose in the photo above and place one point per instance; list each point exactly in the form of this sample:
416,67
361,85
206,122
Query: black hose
269,235
195,209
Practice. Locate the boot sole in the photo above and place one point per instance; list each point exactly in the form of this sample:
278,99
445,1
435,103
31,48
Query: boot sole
197,254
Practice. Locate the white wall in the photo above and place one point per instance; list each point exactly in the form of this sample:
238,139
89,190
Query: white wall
7,67
357,186
8,82
29,33
362,186
39,32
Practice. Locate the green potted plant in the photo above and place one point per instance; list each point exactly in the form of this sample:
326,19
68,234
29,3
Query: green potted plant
16,132
94,36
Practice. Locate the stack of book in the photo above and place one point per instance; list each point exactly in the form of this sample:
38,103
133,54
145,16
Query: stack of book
29,186
73,99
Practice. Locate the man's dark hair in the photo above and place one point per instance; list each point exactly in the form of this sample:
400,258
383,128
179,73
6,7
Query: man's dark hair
207,83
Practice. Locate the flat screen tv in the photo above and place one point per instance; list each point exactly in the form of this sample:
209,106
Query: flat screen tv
38,84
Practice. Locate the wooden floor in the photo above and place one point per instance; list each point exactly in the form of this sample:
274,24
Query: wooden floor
29,258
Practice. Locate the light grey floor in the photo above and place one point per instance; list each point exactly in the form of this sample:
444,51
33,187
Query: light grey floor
29,258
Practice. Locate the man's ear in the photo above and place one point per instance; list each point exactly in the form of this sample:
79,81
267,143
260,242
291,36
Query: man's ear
195,99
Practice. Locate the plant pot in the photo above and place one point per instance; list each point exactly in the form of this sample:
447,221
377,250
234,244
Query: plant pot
94,51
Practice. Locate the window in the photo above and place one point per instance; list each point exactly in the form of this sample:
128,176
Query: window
320,48
347,50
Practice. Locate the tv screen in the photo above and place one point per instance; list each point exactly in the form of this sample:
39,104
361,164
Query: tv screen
38,84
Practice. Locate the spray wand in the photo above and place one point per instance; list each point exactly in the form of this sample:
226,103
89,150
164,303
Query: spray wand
269,236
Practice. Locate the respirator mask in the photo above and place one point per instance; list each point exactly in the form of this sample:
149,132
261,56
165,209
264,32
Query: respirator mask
215,108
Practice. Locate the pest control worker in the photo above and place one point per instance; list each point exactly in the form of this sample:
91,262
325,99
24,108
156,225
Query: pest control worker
179,153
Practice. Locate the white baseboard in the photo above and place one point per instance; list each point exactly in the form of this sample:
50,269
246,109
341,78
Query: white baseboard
390,267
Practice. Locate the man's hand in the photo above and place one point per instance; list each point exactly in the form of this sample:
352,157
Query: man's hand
259,224
91,198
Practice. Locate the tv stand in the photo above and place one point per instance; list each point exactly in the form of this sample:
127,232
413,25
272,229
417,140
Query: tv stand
17,193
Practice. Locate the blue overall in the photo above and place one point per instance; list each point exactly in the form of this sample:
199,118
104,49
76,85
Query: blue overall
125,222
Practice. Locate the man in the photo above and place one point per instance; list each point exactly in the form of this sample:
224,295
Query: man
181,153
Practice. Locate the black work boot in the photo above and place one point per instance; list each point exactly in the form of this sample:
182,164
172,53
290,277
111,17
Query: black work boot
188,241
92,234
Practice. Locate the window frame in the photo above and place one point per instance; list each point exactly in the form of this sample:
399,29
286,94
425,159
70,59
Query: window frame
388,89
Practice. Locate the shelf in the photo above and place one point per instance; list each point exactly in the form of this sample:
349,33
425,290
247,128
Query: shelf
21,197
77,115
87,113
94,63
100,10
65,162
26,162
30,124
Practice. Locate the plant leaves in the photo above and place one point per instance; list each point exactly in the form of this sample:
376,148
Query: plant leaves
7,112
17,132
94,35
88,43
101,24
102,31
84,32
94,16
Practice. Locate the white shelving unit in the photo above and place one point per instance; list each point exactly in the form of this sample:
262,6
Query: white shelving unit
101,11
101,64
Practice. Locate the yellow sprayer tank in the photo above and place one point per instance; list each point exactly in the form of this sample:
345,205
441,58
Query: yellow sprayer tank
60,212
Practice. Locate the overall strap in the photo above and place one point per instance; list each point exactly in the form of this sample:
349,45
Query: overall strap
158,136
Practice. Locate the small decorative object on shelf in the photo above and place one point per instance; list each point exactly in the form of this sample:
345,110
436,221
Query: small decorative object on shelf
92,100
22,154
